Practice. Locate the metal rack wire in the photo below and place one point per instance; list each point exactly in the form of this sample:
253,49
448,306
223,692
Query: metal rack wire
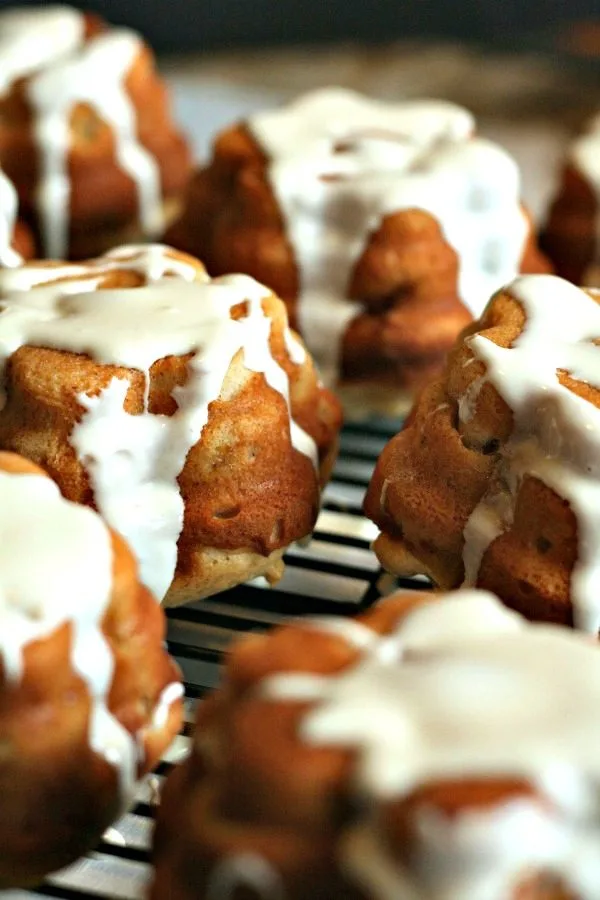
335,573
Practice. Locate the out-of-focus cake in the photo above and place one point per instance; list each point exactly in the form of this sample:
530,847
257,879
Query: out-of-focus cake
86,133
437,749
572,233
381,226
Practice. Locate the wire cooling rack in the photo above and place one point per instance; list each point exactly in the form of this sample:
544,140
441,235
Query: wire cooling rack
335,573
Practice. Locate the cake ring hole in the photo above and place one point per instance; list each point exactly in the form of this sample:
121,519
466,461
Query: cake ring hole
491,446
124,278
332,177
543,545
525,587
353,141
229,513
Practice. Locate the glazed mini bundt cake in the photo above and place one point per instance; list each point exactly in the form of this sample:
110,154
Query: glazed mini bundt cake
571,236
436,749
89,699
16,242
85,131
494,480
374,222
184,409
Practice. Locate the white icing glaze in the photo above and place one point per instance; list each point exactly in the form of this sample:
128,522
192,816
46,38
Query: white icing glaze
169,695
523,704
33,38
134,460
294,347
8,218
585,156
94,75
56,567
244,870
340,163
478,855
556,435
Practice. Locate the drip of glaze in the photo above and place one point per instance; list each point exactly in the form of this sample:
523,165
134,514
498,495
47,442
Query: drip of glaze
245,870
56,567
556,435
169,695
524,702
8,217
31,39
478,856
585,156
133,461
340,163
94,75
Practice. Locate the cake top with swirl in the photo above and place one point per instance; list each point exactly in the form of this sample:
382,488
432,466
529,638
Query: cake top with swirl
339,163
556,432
362,135
464,689
172,309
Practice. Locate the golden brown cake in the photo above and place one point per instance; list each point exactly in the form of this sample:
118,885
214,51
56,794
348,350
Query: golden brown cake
435,749
16,241
184,409
571,233
381,226
495,479
86,133
89,699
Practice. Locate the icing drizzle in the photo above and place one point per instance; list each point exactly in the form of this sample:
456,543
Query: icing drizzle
556,435
339,163
56,567
63,71
133,461
524,701
8,217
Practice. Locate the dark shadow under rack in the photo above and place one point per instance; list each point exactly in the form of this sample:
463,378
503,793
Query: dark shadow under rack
335,573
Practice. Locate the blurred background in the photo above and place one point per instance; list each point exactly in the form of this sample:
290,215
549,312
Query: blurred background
528,69
189,25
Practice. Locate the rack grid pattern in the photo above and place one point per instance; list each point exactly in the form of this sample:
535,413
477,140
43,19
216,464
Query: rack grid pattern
335,573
